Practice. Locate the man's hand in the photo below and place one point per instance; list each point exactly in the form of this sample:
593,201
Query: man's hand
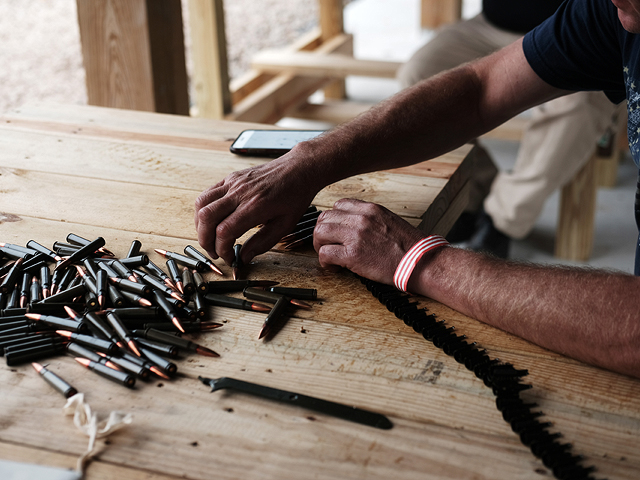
364,237
274,195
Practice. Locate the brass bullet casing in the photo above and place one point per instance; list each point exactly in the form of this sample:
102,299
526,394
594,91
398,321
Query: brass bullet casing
60,385
91,342
135,262
292,292
134,249
59,323
82,253
123,378
231,302
12,276
227,286
273,317
18,357
196,254
237,264
183,260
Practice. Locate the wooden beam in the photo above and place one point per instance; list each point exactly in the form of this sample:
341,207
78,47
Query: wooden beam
209,47
574,235
331,111
435,13
253,79
115,50
133,54
285,92
332,24
328,65
166,38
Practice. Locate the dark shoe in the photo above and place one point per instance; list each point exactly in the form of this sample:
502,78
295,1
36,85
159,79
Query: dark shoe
464,228
489,239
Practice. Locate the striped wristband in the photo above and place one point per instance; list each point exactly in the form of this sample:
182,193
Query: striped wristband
412,257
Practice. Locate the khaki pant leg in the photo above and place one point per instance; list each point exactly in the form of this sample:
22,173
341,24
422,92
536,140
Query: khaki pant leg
454,45
560,139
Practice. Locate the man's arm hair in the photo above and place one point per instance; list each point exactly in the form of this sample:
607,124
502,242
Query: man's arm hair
430,118
588,314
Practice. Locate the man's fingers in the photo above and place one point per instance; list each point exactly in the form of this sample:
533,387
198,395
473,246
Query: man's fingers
266,237
209,218
333,257
206,198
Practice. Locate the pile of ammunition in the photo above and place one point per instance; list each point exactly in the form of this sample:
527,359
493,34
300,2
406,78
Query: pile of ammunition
119,317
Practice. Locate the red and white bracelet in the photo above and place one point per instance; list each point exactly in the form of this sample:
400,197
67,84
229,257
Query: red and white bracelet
412,257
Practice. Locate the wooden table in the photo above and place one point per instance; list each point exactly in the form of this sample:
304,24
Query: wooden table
132,175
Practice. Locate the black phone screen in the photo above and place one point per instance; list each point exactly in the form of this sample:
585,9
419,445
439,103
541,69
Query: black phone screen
270,142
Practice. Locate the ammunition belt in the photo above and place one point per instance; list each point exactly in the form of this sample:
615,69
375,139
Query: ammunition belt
503,378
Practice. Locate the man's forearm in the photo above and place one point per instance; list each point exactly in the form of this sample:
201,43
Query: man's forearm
412,126
590,315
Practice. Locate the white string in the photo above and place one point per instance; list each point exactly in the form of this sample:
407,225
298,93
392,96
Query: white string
87,423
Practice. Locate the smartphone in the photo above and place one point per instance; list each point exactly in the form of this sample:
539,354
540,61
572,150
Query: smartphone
270,143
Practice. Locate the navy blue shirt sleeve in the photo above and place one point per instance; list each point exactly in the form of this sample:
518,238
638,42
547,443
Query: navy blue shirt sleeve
578,48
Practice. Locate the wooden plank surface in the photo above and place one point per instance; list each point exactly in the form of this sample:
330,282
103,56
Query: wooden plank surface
105,180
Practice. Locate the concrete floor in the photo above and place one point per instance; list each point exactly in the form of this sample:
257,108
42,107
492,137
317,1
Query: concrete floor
390,31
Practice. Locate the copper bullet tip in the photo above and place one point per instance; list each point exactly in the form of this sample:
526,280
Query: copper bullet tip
300,303
82,361
133,278
263,331
160,251
177,323
64,333
207,352
134,348
210,326
37,366
259,307
215,269
33,316
71,312
101,301
177,296
23,302
45,293
235,273
159,372
144,302
180,287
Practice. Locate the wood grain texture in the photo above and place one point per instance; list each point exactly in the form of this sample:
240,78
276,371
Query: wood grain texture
435,13
329,65
115,51
104,181
211,67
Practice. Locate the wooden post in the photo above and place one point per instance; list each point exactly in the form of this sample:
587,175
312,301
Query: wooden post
166,38
209,48
332,24
134,56
574,235
435,13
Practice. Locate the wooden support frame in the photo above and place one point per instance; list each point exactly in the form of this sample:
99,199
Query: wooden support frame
312,64
435,13
332,24
574,235
209,49
285,92
133,54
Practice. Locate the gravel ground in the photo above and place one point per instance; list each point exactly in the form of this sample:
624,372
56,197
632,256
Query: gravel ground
40,43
